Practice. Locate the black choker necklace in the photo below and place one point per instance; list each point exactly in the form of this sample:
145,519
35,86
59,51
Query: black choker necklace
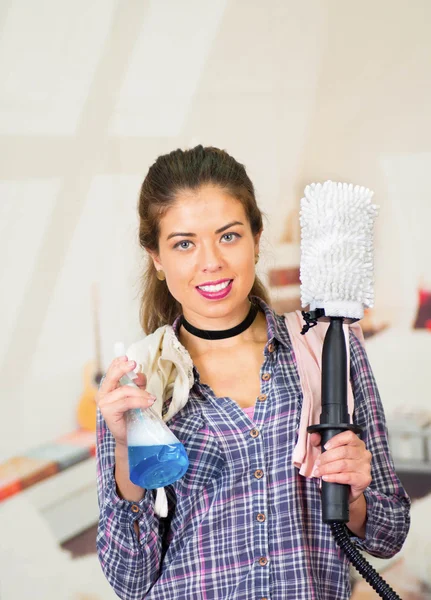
224,333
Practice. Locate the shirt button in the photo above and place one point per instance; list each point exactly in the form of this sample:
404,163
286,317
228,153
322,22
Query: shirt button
258,474
135,508
254,433
261,517
262,397
266,376
263,561
271,347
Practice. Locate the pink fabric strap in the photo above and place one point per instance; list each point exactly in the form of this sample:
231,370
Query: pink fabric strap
308,354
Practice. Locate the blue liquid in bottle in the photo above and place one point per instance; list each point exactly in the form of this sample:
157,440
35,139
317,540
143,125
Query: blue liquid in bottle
153,467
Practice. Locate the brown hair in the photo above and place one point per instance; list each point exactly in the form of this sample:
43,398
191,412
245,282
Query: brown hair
179,171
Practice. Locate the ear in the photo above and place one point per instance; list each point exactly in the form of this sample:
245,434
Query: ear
156,260
257,241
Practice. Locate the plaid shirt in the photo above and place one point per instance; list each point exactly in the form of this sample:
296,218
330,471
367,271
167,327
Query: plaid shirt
242,523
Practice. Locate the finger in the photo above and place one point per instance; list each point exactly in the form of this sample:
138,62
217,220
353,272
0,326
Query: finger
342,466
346,437
346,478
125,391
352,479
118,367
122,405
315,439
140,380
341,452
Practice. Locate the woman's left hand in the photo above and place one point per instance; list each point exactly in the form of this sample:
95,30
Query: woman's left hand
346,460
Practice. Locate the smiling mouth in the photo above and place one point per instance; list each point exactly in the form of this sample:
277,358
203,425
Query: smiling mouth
215,288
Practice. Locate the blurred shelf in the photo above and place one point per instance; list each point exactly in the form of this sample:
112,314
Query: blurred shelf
67,500
411,466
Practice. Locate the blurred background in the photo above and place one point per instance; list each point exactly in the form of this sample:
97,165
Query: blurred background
91,92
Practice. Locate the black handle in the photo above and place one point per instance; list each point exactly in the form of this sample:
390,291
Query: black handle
334,417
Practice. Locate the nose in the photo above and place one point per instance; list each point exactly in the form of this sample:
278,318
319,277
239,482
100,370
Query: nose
211,259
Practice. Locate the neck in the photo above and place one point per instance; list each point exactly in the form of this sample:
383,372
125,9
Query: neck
196,346
221,334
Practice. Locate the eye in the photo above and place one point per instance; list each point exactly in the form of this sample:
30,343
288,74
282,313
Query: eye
183,245
230,237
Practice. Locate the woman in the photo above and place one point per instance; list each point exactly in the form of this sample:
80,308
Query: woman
242,522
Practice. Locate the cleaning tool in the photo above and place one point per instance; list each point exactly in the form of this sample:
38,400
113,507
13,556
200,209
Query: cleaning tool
336,272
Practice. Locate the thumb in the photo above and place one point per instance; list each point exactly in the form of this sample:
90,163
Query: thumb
140,380
315,439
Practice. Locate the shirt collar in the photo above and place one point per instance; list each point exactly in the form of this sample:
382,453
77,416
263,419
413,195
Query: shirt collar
275,324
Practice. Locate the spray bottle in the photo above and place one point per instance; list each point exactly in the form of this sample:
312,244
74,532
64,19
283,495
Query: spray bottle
156,457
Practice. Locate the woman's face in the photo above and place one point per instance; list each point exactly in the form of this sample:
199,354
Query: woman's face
207,251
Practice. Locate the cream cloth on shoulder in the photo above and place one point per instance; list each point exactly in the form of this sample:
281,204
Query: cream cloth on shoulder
308,353
168,368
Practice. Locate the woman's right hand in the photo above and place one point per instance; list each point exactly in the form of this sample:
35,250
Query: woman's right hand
114,399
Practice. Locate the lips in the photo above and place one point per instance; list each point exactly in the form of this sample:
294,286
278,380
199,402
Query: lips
215,290
215,286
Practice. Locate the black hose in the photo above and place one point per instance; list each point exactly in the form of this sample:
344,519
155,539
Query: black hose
335,419
339,531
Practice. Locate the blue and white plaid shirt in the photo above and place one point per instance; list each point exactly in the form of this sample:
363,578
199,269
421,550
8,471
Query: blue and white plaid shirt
242,523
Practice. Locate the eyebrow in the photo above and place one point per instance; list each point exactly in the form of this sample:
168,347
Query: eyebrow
190,234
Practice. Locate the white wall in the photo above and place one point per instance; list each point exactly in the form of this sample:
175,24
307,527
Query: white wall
91,92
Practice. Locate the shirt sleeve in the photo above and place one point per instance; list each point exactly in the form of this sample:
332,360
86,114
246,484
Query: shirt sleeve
130,565
388,505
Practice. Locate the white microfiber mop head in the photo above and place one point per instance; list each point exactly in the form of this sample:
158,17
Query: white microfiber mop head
336,269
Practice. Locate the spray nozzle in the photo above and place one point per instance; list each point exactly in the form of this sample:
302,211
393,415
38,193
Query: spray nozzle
120,350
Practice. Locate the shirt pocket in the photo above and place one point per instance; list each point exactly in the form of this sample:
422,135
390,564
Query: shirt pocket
206,459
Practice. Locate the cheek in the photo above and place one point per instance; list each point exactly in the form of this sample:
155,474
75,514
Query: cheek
245,263
179,276
244,268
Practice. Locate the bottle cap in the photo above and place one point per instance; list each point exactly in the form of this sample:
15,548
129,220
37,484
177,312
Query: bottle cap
119,349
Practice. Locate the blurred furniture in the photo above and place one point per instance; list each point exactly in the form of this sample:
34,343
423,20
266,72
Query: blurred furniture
59,480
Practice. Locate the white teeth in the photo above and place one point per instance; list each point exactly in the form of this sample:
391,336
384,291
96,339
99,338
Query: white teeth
214,288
